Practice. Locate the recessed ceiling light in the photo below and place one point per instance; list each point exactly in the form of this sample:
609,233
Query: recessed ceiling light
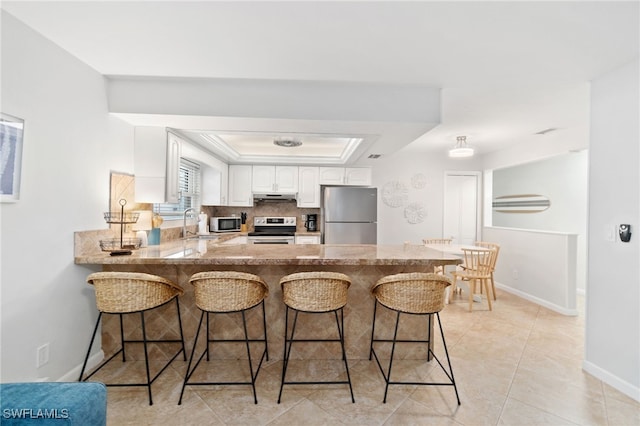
287,142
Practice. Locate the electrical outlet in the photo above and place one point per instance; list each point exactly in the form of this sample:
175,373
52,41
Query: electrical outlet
42,355
514,274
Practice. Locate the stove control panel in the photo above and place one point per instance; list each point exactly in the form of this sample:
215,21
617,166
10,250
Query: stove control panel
274,221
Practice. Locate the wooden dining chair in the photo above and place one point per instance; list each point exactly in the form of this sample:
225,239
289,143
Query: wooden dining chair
496,247
476,270
425,241
437,240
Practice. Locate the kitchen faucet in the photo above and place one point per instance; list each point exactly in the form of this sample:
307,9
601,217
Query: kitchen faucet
186,233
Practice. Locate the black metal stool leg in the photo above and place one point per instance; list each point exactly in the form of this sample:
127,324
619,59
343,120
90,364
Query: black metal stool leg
373,328
446,351
122,338
184,351
287,350
146,356
393,348
189,372
340,325
93,336
264,325
429,341
207,348
246,341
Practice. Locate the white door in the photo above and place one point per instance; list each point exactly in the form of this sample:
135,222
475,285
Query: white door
461,218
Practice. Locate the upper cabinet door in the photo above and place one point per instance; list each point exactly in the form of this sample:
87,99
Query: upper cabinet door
150,149
240,185
308,187
286,179
331,175
215,185
356,176
174,145
360,176
264,179
275,179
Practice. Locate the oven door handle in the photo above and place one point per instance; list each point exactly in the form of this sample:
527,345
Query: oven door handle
262,240
271,242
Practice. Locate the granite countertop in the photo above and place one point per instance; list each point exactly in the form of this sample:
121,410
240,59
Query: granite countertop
210,251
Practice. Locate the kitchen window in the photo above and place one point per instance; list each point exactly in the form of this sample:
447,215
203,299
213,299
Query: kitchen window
189,187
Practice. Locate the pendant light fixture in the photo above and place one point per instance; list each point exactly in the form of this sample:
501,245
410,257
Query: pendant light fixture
461,149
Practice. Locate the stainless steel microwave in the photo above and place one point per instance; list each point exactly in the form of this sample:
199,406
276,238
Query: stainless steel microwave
224,224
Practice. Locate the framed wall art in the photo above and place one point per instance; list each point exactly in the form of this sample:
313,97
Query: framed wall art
11,140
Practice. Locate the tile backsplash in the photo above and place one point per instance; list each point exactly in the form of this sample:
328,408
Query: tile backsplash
280,208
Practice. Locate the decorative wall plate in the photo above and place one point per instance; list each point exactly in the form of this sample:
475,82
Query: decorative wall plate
394,194
415,213
418,181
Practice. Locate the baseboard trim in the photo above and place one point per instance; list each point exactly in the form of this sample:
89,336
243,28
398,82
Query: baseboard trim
559,309
73,374
612,380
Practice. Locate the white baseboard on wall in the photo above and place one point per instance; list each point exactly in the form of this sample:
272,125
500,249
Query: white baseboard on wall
559,309
73,374
615,382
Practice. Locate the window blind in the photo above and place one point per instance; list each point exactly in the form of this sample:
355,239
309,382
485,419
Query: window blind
189,189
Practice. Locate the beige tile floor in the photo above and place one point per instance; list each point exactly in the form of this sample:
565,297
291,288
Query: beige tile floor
517,365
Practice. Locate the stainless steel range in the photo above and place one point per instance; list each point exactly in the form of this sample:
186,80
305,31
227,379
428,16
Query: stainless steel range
273,230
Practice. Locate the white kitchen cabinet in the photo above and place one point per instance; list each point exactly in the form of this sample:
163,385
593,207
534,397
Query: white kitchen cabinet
214,172
356,176
308,187
307,239
331,175
240,185
275,179
215,185
174,147
156,163
236,240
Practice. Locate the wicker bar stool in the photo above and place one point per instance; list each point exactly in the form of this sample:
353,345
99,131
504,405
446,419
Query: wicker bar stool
227,292
315,293
127,293
413,293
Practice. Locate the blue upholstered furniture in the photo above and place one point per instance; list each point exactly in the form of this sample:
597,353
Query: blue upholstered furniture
53,403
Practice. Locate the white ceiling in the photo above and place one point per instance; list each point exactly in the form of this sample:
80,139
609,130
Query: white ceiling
506,69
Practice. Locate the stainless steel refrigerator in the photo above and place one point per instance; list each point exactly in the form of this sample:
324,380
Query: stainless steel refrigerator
349,215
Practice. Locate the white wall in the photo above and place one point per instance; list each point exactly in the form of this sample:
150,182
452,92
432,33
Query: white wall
612,350
71,144
519,271
563,179
406,168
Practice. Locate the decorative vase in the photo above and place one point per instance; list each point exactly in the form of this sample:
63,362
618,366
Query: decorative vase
154,237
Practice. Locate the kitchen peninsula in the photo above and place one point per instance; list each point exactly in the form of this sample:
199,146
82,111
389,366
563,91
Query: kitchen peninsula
177,260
